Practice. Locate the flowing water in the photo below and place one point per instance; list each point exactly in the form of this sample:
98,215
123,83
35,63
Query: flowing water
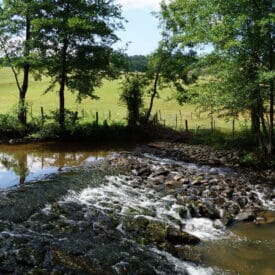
48,207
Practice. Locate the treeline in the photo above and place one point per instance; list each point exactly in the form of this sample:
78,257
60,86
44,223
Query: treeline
72,43
136,63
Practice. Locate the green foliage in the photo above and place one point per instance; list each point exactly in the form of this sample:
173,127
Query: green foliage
74,39
47,131
71,118
16,45
69,41
242,62
249,159
136,63
132,97
10,127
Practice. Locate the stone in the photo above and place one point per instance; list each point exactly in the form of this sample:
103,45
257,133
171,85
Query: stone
189,253
184,180
246,215
242,201
183,213
172,184
146,171
161,172
156,231
177,236
208,211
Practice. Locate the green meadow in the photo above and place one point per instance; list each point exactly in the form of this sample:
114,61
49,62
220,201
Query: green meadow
108,106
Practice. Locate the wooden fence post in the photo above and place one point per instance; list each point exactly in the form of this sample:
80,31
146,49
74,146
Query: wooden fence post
233,128
186,125
160,115
42,115
96,118
212,124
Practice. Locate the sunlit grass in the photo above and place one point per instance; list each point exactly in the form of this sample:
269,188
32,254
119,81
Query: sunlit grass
108,107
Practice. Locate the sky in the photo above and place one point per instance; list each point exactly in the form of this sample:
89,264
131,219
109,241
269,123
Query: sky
141,31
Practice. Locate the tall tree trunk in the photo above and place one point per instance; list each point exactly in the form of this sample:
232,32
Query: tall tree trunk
154,91
62,83
22,114
153,95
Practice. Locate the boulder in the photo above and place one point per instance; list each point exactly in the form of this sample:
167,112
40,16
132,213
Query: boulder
177,236
156,231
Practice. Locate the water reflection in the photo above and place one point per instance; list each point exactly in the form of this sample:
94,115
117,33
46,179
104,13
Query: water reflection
16,164
23,163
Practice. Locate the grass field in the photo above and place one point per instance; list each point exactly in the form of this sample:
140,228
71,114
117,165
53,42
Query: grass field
108,107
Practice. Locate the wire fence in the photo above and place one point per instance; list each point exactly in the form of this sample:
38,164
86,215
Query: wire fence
178,120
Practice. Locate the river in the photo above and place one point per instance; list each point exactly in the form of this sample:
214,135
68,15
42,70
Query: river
60,212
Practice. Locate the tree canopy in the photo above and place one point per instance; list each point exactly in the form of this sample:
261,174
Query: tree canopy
242,35
74,39
69,41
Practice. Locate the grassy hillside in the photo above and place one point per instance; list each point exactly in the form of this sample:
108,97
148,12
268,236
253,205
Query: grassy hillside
108,106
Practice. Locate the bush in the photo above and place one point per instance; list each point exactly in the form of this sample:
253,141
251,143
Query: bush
11,128
132,98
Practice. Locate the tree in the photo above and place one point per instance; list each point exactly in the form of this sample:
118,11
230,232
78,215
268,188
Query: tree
132,96
169,65
242,34
137,63
74,39
15,44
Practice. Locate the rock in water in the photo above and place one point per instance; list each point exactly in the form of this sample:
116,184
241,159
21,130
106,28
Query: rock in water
177,236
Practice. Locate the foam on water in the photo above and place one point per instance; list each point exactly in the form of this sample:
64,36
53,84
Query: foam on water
119,196
192,166
269,205
126,196
205,229
182,267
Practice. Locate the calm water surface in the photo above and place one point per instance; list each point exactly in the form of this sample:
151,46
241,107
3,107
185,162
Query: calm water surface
20,164
250,250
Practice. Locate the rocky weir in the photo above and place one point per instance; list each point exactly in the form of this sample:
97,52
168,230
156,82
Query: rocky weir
143,212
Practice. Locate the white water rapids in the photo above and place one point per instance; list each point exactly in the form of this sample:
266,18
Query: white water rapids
119,195
125,196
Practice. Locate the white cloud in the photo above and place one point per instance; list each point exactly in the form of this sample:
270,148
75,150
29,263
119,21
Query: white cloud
139,4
